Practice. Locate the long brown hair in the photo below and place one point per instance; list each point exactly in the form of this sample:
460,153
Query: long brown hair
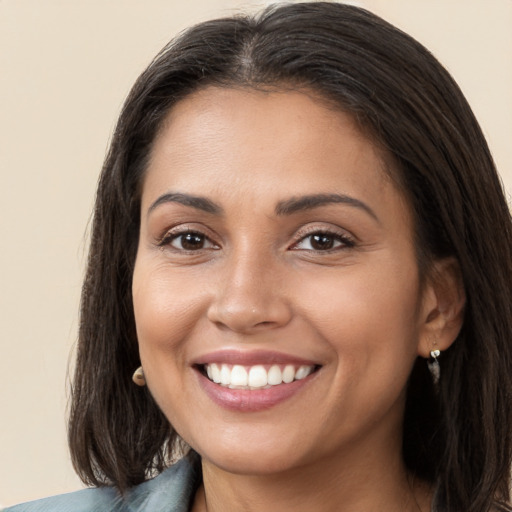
458,438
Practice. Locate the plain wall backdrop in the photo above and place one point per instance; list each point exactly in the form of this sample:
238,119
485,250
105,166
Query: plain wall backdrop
65,69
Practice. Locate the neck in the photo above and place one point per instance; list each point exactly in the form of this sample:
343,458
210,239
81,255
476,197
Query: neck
342,483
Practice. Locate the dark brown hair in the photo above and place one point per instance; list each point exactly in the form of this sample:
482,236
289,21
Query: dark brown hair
458,439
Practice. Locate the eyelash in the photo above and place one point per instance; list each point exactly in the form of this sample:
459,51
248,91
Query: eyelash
171,236
333,237
344,240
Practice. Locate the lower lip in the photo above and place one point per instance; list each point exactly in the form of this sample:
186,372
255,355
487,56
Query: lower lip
246,400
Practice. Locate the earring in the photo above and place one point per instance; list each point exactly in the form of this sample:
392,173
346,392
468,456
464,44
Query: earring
433,366
138,377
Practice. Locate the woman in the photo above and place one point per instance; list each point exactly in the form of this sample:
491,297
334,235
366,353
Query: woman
302,252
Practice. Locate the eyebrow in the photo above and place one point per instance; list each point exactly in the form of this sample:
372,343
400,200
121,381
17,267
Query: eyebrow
297,204
198,202
287,207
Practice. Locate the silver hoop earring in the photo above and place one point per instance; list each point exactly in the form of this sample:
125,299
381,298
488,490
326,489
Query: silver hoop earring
138,377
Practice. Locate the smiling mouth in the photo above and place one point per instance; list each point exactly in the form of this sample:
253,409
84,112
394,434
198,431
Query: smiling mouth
255,377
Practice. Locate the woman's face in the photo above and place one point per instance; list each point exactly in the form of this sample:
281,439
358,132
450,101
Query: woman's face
276,256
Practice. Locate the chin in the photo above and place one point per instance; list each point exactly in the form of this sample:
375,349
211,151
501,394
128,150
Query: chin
255,464
251,458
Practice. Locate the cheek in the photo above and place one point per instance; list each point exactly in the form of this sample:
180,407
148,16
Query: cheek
167,309
368,315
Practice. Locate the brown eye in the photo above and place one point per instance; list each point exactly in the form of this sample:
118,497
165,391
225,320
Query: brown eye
323,241
191,241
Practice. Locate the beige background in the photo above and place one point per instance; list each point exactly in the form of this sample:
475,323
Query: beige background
65,68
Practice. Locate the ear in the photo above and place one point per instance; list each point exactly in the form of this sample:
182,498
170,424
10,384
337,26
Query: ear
442,310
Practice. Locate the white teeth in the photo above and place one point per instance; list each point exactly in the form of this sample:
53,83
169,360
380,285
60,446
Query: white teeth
303,372
238,376
225,375
215,373
288,373
255,377
275,376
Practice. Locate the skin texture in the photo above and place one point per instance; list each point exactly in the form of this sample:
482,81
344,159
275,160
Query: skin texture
256,281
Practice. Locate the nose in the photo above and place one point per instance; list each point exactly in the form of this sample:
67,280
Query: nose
250,296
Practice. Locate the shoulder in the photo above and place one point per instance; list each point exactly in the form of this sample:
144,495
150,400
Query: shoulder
171,491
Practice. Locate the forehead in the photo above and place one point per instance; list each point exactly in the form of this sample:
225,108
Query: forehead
223,115
242,141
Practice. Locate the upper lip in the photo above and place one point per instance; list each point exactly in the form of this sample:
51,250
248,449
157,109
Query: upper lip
251,357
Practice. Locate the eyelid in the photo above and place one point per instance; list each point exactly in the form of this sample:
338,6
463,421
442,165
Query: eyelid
346,238
182,229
